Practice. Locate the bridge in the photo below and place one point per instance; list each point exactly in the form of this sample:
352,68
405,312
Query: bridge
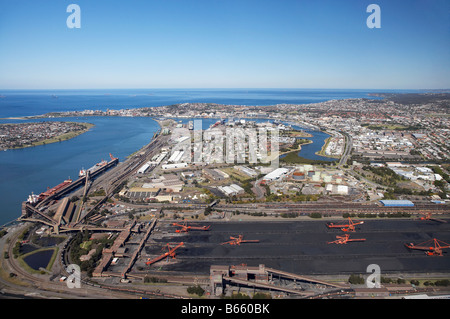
28,210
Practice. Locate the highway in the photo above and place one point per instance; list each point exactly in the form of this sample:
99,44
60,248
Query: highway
347,151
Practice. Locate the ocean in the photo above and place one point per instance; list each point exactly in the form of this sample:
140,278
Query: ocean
34,169
14,103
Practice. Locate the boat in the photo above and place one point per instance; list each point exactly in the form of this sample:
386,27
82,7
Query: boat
217,123
32,199
94,168
51,191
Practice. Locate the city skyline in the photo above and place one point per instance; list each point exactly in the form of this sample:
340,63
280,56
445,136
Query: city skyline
218,44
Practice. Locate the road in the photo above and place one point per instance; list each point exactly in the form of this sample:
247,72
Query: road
347,151
258,189
344,158
37,286
26,285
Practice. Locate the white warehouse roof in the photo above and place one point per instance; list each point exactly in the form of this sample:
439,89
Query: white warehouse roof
276,174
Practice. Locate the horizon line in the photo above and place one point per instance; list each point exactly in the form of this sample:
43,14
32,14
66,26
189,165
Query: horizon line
222,88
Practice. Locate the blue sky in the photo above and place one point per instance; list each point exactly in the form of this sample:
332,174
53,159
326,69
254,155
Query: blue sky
224,44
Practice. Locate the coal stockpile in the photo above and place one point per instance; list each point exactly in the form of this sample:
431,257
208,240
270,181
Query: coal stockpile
303,247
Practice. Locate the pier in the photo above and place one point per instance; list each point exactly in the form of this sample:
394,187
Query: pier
28,209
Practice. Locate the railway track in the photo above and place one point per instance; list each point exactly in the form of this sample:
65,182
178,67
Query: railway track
122,173
335,210
15,267
89,289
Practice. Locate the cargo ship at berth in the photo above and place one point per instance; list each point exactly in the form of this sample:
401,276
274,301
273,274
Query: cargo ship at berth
217,123
51,191
91,170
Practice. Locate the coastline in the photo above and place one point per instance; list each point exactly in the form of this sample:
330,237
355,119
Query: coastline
15,118
160,123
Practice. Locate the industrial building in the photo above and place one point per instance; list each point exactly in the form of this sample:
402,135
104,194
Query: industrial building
143,193
214,174
176,156
64,213
397,203
246,170
231,190
276,174
174,166
337,189
144,168
166,181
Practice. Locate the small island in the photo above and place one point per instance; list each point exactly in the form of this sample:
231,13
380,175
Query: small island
14,136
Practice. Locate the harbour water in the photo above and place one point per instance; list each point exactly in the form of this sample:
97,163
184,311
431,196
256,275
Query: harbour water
34,169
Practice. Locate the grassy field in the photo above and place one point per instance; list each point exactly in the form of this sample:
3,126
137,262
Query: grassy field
86,245
293,158
236,174
295,133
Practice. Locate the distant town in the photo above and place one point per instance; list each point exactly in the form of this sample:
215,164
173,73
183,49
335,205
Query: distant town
411,127
33,134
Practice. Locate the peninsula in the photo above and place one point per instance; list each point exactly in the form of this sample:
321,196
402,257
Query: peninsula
13,136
